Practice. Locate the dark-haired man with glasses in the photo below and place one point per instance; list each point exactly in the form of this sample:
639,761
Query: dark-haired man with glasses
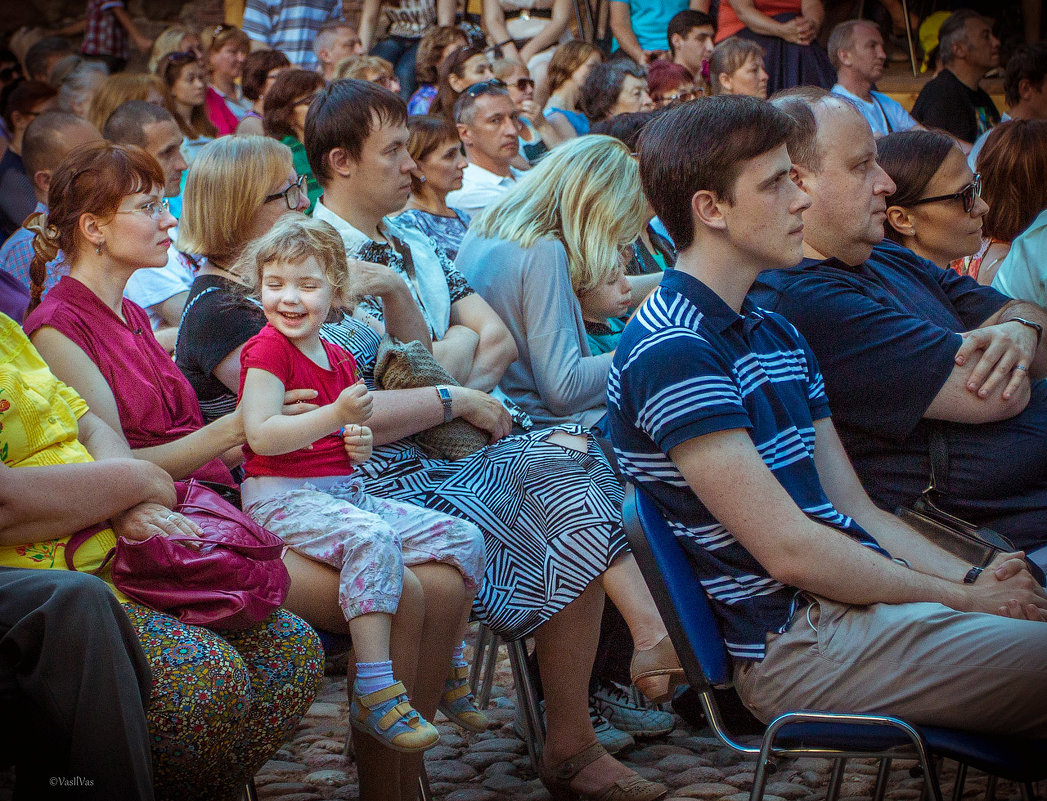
489,126
917,360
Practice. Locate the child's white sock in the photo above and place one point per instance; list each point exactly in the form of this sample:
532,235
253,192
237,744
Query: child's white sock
373,676
458,657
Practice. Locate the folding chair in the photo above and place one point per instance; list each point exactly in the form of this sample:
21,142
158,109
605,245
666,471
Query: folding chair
696,636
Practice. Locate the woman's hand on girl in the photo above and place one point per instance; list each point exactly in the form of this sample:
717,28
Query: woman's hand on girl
354,404
297,401
483,411
358,443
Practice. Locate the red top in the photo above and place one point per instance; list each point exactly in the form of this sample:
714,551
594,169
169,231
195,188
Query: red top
155,401
219,113
728,23
271,351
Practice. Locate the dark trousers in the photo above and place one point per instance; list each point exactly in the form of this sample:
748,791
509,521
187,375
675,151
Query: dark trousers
73,686
401,52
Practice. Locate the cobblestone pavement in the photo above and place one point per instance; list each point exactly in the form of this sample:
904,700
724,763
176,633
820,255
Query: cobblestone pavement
494,765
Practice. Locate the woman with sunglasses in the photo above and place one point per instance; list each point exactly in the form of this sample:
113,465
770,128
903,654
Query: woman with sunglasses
936,210
185,77
283,118
536,134
221,704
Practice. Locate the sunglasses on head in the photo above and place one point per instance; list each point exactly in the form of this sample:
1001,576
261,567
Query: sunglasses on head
969,195
484,87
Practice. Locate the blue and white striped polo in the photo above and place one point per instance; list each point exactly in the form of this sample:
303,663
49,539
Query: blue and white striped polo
686,366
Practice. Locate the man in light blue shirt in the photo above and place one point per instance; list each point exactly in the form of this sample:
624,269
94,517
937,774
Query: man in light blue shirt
639,26
856,50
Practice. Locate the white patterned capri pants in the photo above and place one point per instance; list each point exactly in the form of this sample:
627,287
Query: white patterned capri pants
369,540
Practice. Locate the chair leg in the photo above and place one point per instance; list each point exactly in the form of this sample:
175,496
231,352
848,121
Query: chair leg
527,701
763,763
882,776
961,780
1027,792
836,779
250,791
483,635
990,788
483,696
932,787
425,793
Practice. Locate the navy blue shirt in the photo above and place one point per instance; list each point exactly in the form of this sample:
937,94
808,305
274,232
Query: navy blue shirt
688,365
886,333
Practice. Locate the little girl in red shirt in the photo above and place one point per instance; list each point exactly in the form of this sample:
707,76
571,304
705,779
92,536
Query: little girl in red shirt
299,471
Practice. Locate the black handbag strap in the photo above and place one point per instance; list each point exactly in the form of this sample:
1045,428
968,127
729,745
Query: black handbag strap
938,452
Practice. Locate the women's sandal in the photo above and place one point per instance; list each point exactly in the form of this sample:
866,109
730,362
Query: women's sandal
557,781
388,716
457,702
656,672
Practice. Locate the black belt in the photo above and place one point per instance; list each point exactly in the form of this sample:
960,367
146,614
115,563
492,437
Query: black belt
529,13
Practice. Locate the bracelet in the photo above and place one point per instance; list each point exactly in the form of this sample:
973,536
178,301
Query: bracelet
972,575
1029,324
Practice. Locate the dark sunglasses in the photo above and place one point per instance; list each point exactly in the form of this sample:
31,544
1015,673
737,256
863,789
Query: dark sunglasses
523,84
489,86
969,194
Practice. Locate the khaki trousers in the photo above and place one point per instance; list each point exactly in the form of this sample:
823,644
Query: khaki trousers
924,663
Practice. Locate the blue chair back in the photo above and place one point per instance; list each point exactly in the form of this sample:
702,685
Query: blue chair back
677,592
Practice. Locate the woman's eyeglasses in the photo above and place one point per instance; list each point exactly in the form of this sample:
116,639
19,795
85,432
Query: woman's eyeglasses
969,194
154,208
292,195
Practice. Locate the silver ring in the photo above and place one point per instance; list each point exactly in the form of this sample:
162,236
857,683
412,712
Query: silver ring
171,516
1021,367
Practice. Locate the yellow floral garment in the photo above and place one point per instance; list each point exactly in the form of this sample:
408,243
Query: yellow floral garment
38,426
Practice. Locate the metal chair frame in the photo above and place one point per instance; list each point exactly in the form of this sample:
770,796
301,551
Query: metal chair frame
834,737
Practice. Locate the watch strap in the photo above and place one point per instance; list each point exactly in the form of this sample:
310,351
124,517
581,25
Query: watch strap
444,393
1031,324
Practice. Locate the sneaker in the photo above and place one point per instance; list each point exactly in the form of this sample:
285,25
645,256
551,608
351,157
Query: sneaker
613,740
457,702
617,705
388,716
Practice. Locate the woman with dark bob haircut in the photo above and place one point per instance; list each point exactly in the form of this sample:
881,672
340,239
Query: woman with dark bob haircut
936,209
1013,164
260,70
283,118
614,87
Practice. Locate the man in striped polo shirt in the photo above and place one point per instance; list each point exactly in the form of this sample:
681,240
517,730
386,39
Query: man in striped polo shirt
717,409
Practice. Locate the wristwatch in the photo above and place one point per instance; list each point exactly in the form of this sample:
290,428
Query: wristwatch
445,398
972,575
1034,326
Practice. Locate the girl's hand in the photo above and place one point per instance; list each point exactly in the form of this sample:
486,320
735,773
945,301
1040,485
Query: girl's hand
354,404
358,443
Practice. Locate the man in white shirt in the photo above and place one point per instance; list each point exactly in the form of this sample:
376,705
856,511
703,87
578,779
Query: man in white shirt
489,126
856,50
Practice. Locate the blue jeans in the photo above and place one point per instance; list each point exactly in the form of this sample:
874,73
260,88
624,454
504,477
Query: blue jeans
401,52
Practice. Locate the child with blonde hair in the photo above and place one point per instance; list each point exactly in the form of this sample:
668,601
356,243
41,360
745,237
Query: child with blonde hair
299,471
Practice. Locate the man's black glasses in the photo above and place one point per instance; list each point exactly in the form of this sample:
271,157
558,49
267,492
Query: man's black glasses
969,194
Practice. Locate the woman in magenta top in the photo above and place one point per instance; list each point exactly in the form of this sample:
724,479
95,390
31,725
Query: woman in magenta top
108,213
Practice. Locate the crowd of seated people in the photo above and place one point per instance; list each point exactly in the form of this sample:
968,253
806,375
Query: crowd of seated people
609,266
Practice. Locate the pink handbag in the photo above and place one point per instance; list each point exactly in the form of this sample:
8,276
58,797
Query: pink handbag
234,580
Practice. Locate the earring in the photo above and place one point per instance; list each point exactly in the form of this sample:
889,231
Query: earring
98,247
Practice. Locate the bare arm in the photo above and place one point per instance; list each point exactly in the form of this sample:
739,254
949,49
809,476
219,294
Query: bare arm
495,350
141,41
492,17
726,473
400,413
456,351
446,12
814,12
179,458
622,28
369,22
642,286
795,30
551,33
270,432
42,503
559,123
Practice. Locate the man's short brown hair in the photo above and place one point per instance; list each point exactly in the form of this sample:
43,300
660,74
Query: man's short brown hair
700,145
343,115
